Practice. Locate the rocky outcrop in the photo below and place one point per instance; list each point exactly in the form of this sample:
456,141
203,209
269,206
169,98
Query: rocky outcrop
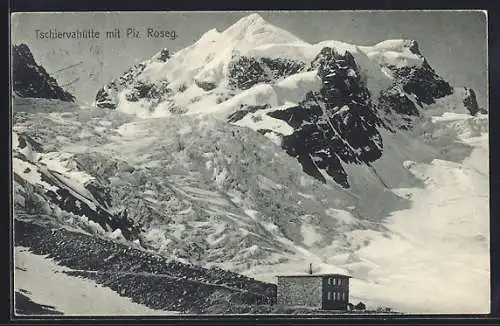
470,101
339,122
31,80
106,96
422,81
104,100
69,199
414,86
164,55
204,85
413,47
245,72
25,306
334,125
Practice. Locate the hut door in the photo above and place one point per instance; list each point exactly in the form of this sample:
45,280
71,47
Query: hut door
328,300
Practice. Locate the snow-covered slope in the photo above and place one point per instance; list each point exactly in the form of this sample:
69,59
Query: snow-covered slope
258,152
40,279
437,249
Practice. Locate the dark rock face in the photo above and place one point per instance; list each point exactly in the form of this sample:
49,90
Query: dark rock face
245,72
69,200
392,103
335,124
24,140
244,110
264,131
138,89
470,101
423,82
104,100
25,306
99,191
392,100
282,68
66,199
339,123
206,86
154,92
31,80
412,45
164,55
105,97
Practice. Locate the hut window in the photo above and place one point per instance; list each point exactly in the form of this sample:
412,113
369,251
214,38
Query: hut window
343,295
329,295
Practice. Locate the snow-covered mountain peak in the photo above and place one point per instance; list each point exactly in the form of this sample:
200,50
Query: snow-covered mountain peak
396,53
253,30
259,76
399,45
249,32
205,62
211,35
250,21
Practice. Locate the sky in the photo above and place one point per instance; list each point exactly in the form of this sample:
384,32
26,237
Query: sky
454,42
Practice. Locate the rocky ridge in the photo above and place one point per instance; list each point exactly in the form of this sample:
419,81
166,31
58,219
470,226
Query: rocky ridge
31,80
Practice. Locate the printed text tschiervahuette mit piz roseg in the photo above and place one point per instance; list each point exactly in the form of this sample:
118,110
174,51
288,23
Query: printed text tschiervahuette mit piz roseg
116,33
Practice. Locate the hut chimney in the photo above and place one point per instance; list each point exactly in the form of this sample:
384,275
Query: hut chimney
310,268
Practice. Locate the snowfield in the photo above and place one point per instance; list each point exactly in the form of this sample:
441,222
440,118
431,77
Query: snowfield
438,250
46,283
